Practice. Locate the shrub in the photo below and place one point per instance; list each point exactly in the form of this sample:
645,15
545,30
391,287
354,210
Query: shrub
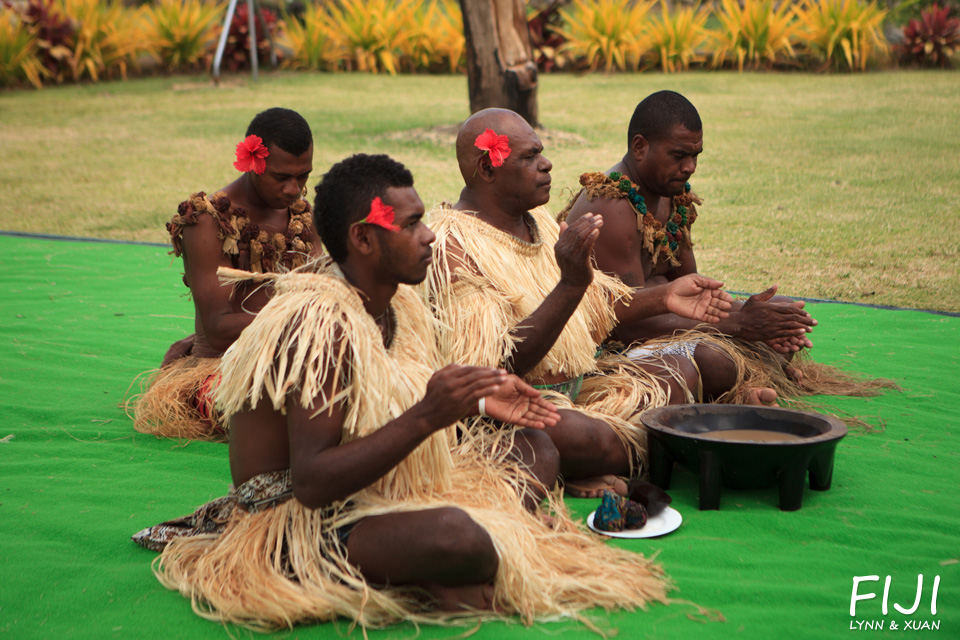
607,33
181,33
372,32
931,40
436,40
311,42
54,32
842,34
757,34
450,44
108,37
546,36
18,59
676,37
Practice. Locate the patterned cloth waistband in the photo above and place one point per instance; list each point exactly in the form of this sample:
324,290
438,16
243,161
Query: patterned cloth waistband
259,493
265,491
570,388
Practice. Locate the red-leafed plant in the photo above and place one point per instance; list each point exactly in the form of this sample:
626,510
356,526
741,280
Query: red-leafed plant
54,32
546,35
933,39
236,53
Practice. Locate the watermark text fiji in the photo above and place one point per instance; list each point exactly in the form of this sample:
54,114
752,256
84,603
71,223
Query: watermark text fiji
864,625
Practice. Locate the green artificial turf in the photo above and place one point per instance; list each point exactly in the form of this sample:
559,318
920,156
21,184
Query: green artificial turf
79,321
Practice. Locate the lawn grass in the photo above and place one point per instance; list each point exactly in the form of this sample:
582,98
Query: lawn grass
841,187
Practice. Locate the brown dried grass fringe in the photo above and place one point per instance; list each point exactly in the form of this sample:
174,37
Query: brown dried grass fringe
760,366
166,406
282,567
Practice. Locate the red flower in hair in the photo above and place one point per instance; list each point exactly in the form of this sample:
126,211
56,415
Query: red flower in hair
381,215
251,155
496,145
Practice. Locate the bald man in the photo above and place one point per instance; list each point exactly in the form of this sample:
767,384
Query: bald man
514,289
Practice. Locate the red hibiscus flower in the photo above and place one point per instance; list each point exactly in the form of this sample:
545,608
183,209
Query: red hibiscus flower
252,155
496,145
381,215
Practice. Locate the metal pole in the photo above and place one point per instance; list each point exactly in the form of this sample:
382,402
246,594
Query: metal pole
253,10
218,58
273,47
254,54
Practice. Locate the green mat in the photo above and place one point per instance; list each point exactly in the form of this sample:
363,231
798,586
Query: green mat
81,320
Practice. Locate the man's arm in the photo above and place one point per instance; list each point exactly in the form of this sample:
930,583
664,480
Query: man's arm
538,332
618,252
325,471
202,255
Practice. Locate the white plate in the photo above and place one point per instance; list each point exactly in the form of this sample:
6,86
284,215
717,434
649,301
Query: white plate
663,523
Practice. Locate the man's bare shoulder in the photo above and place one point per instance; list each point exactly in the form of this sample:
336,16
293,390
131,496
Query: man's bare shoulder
201,245
610,209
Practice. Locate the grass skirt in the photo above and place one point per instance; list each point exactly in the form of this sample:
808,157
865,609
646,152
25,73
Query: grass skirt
178,402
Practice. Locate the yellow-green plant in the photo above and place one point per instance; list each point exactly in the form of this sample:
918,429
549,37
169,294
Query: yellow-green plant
843,31
18,59
107,40
676,36
373,32
312,41
607,33
181,33
436,39
756,34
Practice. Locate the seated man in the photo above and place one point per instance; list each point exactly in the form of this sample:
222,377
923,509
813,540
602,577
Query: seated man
259,222
354,497
648,209
513,289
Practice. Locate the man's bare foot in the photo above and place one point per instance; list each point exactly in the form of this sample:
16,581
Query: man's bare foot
594,487
794,373
761,396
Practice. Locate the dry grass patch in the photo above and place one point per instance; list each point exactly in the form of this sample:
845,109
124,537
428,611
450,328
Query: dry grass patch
832,186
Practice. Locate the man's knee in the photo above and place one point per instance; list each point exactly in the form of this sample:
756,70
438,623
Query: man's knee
580,437
462,544
574,433
709,357
540,454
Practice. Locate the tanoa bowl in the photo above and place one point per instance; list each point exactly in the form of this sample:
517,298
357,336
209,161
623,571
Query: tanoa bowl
743,447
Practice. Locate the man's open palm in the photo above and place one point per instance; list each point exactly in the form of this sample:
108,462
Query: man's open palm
516,402
698,298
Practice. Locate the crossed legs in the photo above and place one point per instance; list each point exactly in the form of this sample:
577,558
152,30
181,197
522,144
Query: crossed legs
442,550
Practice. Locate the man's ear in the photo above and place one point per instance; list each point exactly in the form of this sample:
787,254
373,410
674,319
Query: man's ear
639,147
362,238
485,167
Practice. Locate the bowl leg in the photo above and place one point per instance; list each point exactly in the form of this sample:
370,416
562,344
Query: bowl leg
821,470
661,462
791,481
711,477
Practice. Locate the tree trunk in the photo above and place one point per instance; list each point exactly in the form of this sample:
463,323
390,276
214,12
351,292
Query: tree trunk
500,68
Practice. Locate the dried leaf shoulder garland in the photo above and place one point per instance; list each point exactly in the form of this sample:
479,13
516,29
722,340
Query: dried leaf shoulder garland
662,241
249,247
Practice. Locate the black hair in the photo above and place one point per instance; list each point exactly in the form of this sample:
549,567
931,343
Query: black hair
284,128
660,112
345,192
